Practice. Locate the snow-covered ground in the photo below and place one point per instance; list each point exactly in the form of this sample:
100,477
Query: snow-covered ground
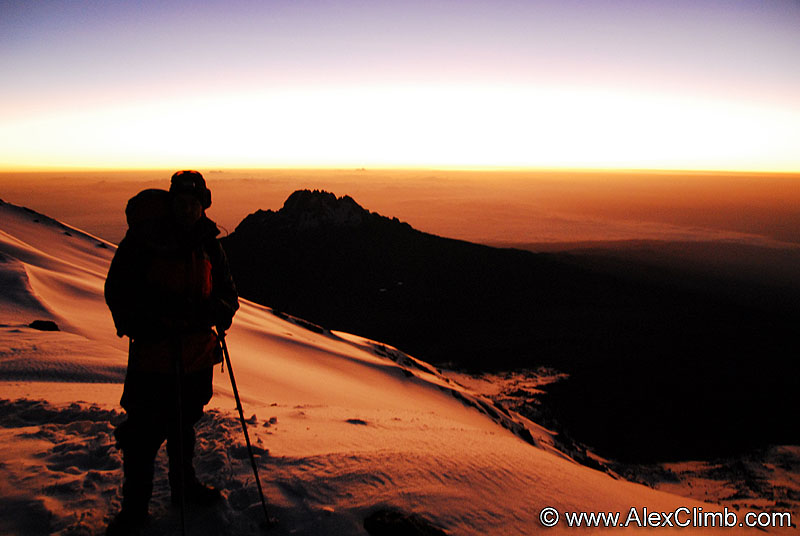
343,427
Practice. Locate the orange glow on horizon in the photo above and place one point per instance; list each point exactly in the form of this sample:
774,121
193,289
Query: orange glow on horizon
436,127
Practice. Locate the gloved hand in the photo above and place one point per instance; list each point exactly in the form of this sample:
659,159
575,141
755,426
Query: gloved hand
223,321
216,313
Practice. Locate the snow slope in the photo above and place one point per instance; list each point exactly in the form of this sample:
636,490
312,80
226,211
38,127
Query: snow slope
343,426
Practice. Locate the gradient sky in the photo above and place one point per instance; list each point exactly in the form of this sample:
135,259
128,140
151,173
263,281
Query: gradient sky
695,84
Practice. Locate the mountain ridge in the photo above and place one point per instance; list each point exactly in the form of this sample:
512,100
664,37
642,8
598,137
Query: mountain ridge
628,342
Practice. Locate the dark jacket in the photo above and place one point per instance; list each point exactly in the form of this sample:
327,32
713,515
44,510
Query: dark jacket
166,290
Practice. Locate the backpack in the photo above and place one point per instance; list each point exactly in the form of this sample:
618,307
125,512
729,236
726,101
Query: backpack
147,209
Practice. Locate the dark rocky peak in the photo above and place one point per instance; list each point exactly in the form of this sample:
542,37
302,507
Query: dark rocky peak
315,209
308,209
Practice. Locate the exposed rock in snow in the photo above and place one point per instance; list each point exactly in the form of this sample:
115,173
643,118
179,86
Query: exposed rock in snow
44,325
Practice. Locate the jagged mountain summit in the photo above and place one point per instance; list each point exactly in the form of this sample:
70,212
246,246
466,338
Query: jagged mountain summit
338,264
313,209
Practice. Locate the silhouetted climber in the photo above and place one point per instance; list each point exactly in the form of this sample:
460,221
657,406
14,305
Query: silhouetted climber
168,284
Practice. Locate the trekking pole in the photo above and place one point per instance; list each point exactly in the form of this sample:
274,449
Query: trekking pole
179,410
244,427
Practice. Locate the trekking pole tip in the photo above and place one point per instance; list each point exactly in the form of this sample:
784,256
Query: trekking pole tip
269,524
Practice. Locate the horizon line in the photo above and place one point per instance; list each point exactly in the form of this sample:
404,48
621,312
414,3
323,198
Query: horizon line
212,170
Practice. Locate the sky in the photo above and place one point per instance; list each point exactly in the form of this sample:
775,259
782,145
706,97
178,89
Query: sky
640,84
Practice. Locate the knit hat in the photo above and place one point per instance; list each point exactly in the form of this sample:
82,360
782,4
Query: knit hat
191,182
